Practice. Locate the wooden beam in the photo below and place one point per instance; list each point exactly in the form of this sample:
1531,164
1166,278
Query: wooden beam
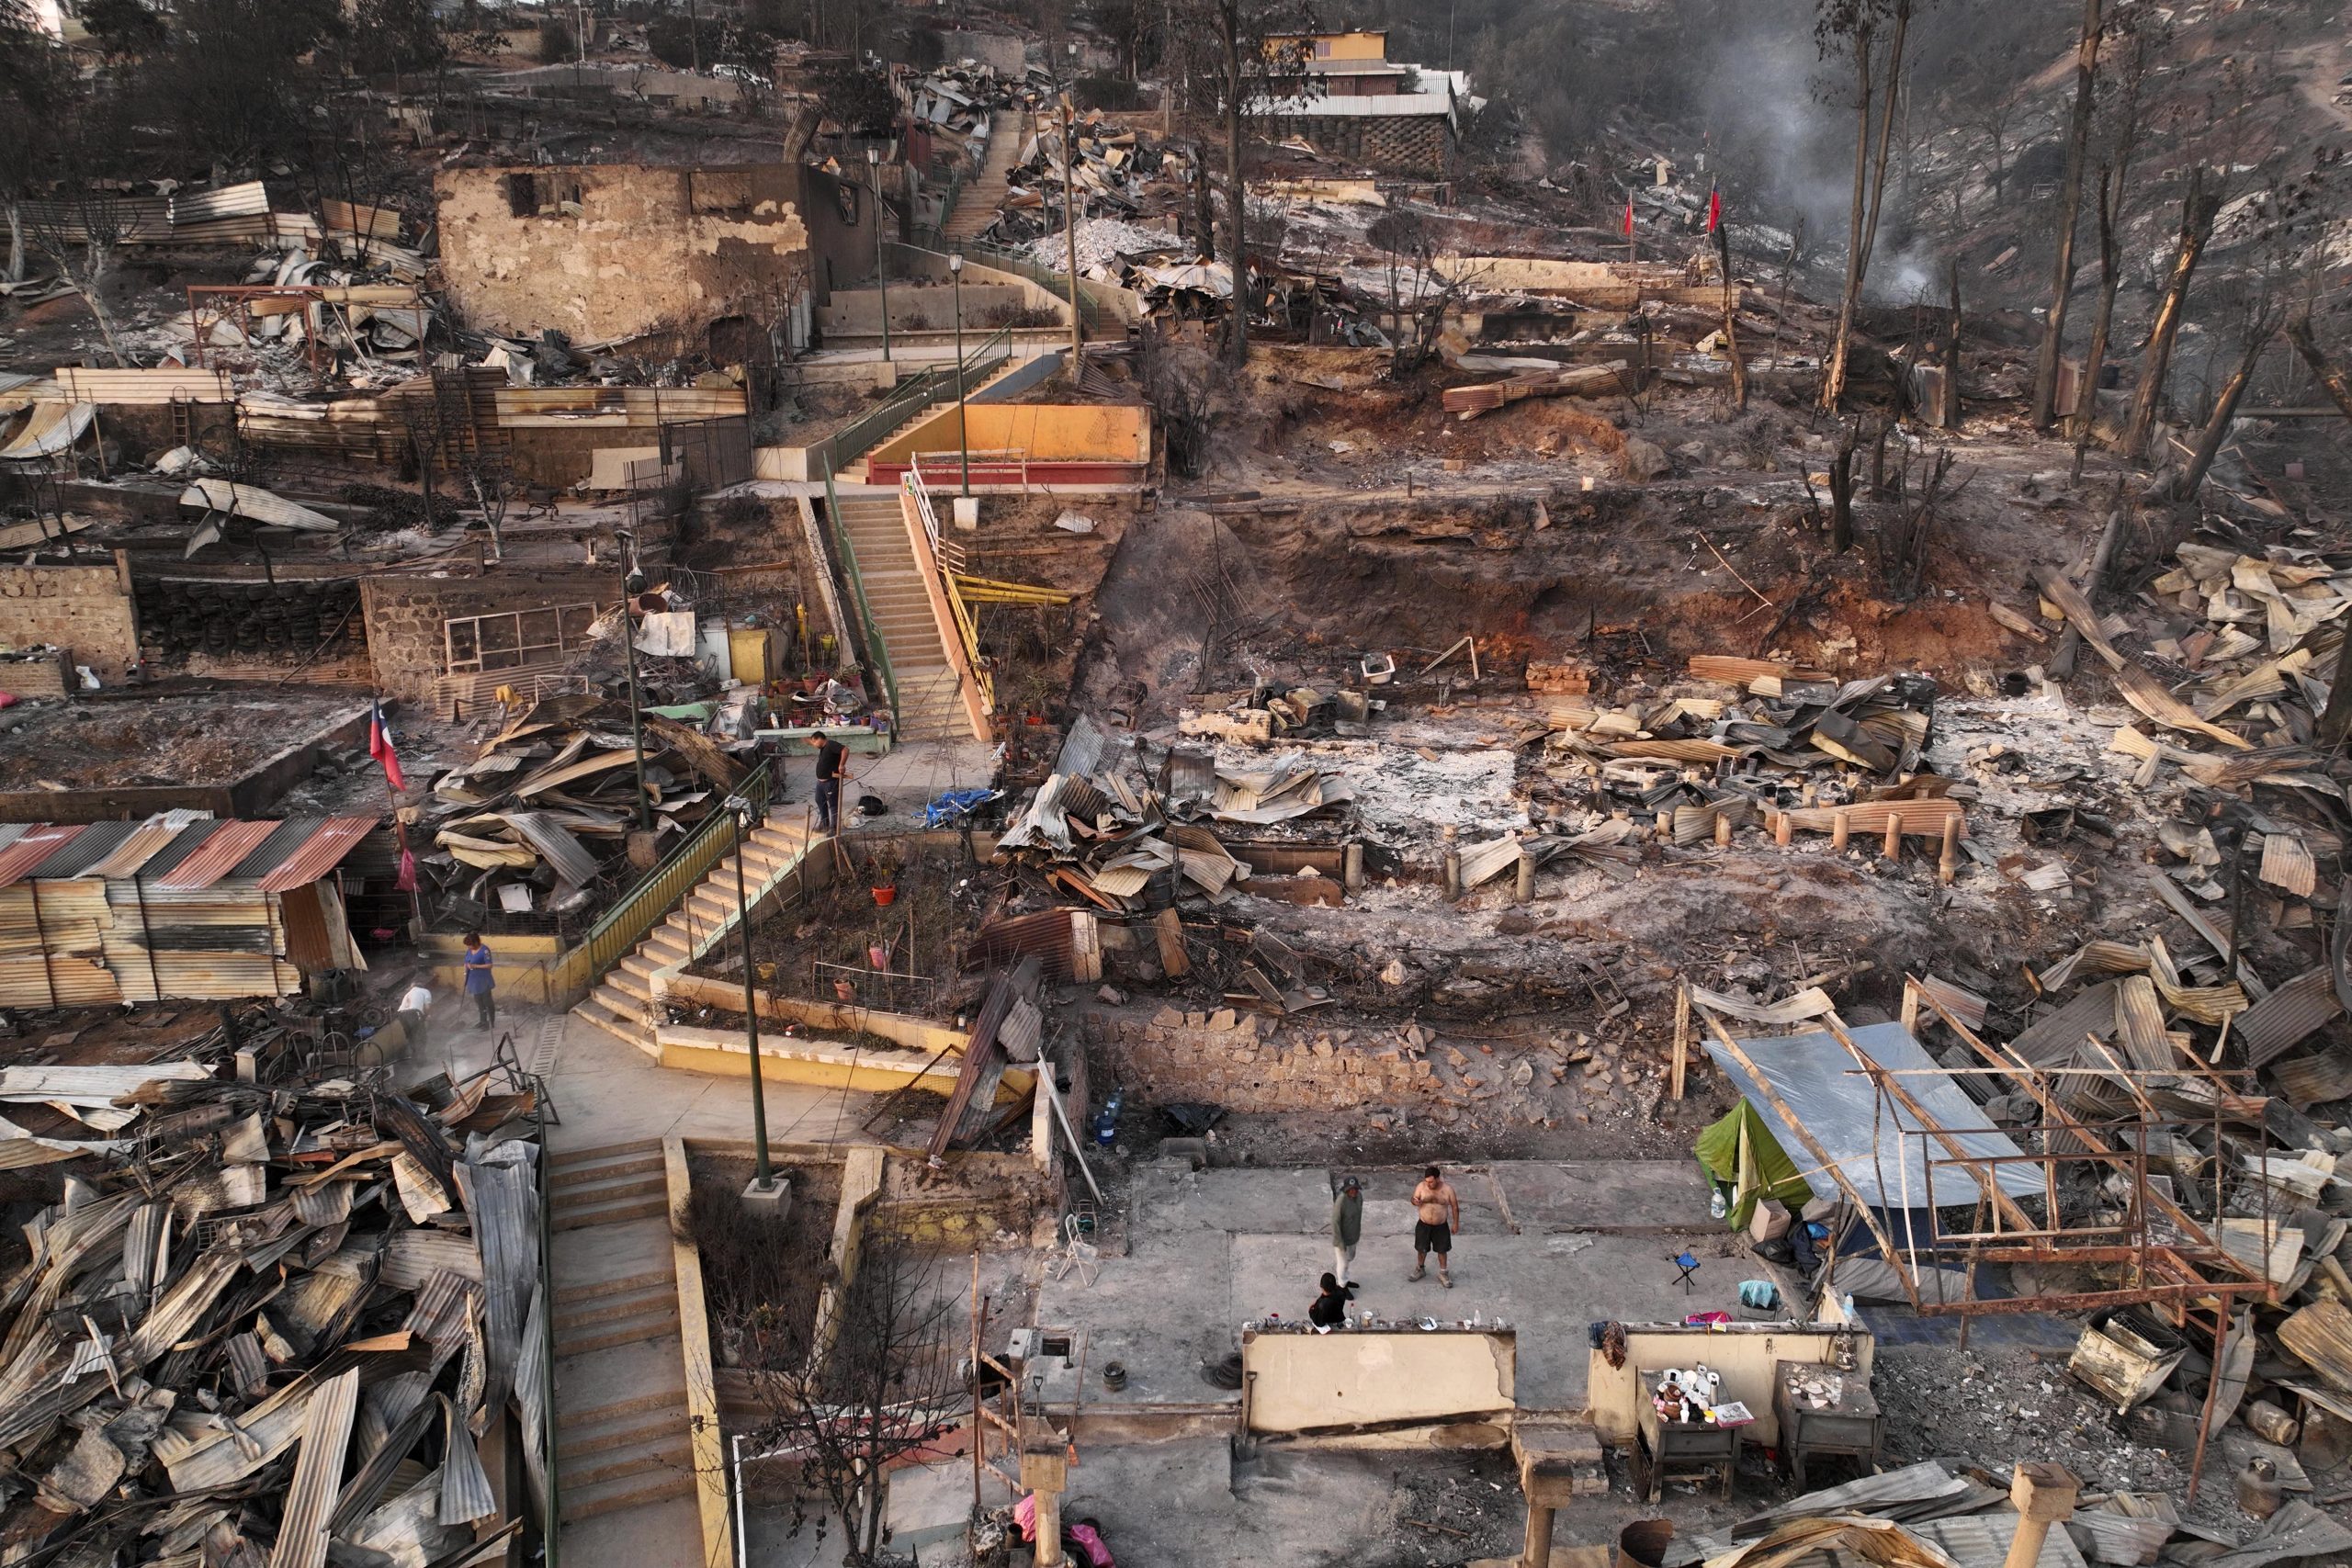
2002,1203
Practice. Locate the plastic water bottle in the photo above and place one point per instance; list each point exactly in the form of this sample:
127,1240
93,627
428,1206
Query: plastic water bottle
1716,1204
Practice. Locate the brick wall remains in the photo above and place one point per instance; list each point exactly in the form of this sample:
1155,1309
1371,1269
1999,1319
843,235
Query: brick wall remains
181,617
649,248
405,614
86,610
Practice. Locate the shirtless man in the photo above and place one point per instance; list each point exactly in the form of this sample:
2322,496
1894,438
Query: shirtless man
1437,1214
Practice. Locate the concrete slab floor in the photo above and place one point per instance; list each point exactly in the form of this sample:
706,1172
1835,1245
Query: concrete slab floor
1211,1249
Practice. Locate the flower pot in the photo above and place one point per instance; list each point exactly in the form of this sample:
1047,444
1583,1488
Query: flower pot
845,991
878,956
885,896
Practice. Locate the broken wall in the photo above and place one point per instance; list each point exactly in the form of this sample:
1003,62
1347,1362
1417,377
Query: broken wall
407,617
287,621
1404,144
610,251
1229,1058
86,610
1310,1382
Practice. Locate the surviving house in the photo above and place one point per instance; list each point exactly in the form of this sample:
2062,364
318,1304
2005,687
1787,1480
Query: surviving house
180,905
1365,108
608,252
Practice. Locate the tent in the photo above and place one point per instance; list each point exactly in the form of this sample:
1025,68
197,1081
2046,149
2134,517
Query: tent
1740,1150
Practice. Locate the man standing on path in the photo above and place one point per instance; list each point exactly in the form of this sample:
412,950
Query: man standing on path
1347,1226
1437,1214
416,1002
829,778
479,982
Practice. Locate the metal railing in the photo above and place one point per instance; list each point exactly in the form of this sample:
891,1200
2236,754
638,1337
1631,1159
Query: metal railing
967,627
1092,310
876,648
618,931
866,432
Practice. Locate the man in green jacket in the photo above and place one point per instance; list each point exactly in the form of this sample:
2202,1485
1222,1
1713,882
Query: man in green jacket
1347,1226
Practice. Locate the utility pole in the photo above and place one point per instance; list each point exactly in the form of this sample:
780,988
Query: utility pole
1070,233
738,809
881,265
963,426
633,584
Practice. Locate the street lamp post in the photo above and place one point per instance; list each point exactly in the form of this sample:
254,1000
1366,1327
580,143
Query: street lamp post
963,428
881,267
738,811
633,584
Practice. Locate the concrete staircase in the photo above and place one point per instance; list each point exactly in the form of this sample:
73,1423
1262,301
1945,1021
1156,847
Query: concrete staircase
977,201
928,705
624,1454
622,1003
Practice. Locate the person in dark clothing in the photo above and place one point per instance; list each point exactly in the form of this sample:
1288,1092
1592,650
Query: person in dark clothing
831,775
1330,1308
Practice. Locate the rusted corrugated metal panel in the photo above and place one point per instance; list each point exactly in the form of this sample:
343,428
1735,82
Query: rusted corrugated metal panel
37,844
2320,1336
146,841
2287,1015
95,843
284,838
2307,1081
465,1485
219,855
1047,934
319,854
172,855
503,1194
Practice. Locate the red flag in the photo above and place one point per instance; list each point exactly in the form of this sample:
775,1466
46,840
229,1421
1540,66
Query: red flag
380,745
1629,217
1714,209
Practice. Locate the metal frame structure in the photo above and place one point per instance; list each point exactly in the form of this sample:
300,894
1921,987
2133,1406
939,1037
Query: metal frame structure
2162,1256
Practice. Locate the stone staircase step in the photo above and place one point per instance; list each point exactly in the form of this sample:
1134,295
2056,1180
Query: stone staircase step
572,1179
585,1503
651,1429
568,1158
622,1411
619,1331
597,1290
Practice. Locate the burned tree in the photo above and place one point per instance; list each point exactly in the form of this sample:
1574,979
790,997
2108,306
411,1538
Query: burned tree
2260,315
33,77
2331,377
2197,212
1418,293
2121,139
2070,207
872,1377
83,226
1259,61
1853,28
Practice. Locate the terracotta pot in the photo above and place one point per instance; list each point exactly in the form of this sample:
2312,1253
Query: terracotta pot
885,896
845,991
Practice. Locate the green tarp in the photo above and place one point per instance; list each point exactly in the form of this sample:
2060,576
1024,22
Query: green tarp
1741,1151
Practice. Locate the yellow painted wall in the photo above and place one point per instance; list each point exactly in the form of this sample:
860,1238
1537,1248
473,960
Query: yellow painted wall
1085,433
913,1032
1743,1353
1345,46
1314,1381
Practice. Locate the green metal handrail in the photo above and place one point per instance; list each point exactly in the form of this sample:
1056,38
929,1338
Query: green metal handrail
875,648
618,931
862,435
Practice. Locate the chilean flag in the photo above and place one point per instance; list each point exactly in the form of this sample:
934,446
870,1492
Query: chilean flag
379,745
1629,217
1714,210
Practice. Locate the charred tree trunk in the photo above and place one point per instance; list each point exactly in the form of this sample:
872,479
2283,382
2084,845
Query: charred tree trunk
1833,372
1731,326
2197,215
1236,340
2225,409
1841,496
2299,332
2095,360
2070,205
1203,204
1952,358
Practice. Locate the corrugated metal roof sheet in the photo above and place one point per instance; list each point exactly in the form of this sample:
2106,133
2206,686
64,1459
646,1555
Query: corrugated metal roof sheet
320,853
284,838
87,847
2278,1021
37,843
176,853
146,841
220,854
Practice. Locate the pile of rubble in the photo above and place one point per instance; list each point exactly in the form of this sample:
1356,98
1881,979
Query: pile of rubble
513,827
273,1316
